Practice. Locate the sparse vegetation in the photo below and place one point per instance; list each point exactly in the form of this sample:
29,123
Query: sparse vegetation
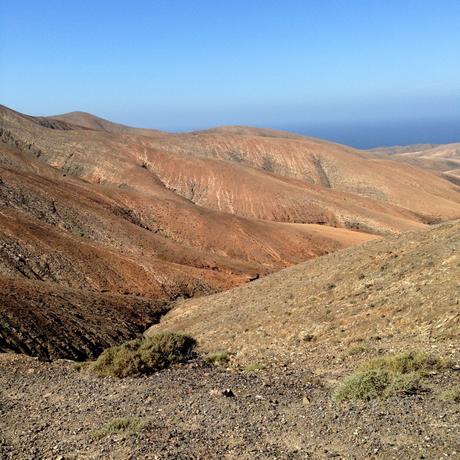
127,425
218,358
235,155
451,395
354,350
268,164
254,367
386,376
143,356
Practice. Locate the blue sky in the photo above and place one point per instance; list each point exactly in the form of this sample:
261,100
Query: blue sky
185,64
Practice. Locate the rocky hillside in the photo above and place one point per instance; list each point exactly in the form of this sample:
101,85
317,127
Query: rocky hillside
99,208
253,173
63,233
292,339
106,229
444,159
402,288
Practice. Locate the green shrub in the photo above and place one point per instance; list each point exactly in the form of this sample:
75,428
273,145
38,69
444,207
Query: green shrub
143,356
403,384
363,385
404,363
387,376
218,358
451,395
128,425
254,367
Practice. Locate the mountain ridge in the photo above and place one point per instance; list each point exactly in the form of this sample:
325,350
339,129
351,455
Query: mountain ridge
169,216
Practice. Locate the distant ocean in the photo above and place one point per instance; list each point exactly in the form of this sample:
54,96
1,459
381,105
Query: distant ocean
379,134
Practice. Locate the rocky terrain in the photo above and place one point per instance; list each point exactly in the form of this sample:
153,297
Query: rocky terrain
296,259
48,320
404,287
252,173
291,337
97,213
50,411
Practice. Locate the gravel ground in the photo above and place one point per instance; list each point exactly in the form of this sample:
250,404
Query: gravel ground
51,411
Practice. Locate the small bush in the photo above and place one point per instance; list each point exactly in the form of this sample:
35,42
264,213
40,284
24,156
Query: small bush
388,375
354,350
451,395
254,367
403,384
128,425
218,358
139,357
404,363
363,385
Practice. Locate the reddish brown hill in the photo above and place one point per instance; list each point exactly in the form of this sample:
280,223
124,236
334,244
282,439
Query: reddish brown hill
216,169
95,207
330,165
62,233
52,321
443,159
79,120
250,192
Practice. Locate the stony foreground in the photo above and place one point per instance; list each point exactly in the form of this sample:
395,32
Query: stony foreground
52,411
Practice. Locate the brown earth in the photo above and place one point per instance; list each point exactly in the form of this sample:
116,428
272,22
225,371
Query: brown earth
48,320
50,411
443,159
67,234
404,287
104,228
304,328
331,166
90,205
253,173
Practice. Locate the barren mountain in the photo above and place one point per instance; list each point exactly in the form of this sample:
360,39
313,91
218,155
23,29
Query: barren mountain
296,335
332,166
404,287
444,159
66,231
106,229
97,207
94,238
88,121
216,169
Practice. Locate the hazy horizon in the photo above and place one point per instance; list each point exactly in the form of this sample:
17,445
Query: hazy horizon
385,133
360,134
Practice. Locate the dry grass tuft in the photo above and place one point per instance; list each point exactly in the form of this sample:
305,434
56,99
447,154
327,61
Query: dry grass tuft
127,425
254,367
451,395
218,358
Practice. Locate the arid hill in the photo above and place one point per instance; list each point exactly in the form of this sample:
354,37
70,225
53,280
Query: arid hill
297,336
331,166
106,229
444,159
92,206
88,121
400,289
247,172
65,233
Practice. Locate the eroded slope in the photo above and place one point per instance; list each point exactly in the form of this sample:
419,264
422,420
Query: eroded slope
406,287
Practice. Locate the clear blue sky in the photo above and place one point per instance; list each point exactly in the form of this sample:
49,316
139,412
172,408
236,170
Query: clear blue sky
183,64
